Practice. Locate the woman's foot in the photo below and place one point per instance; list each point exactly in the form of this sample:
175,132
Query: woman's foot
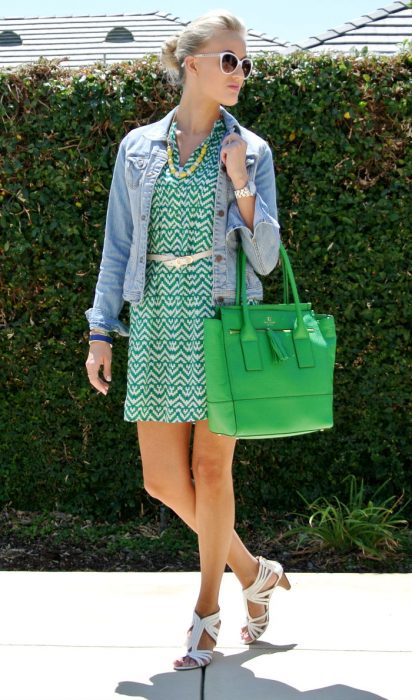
256,609
269,574
201,640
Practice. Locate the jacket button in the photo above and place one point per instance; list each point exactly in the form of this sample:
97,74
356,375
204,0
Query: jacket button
218,258
220,299
221,212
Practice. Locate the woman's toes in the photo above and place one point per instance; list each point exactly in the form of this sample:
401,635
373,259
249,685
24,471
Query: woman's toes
245,634
185,661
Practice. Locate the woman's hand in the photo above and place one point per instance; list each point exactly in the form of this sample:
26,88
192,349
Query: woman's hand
233,155
100,355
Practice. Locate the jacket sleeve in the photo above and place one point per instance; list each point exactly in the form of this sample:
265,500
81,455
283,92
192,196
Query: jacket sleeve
108,298
262,246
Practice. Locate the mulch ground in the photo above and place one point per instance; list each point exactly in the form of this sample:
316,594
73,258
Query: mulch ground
68,546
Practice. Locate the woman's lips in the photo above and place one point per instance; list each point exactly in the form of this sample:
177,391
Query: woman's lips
234,87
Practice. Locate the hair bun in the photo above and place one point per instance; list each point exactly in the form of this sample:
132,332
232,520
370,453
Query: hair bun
168,53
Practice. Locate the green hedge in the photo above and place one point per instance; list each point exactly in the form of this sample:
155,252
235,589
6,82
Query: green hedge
339,129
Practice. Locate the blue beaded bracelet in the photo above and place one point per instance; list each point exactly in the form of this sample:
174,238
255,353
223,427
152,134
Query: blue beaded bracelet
97,336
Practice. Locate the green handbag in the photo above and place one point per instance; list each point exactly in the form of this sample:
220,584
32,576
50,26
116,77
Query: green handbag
269,368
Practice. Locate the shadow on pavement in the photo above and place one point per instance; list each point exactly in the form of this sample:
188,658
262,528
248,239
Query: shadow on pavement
227,679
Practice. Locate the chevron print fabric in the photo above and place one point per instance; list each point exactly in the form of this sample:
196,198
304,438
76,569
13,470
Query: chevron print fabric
165,373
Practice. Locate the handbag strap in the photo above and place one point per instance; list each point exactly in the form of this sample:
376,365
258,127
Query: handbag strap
285,285
248,335
288,278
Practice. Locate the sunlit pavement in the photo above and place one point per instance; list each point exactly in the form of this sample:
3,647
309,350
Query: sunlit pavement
100,636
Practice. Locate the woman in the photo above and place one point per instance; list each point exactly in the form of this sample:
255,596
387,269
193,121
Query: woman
186,188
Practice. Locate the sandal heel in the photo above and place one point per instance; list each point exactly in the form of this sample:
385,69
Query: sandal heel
284,582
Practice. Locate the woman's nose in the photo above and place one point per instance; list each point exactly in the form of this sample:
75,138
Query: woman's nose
239,70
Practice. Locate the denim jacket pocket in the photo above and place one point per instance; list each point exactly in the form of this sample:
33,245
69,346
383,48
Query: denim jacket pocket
135,168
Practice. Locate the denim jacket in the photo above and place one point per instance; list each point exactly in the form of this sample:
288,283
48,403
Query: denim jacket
140,158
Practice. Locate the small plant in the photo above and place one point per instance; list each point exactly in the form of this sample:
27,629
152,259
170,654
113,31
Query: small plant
372,527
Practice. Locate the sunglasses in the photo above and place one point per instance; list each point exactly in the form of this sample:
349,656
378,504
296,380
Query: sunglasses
229,62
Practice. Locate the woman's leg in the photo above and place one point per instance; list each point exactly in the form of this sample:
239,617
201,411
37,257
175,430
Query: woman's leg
164,449
214,517
215,510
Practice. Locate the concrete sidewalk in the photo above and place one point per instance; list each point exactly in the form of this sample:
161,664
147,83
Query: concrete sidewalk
101,636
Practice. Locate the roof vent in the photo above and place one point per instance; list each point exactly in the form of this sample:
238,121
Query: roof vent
119,35
9,38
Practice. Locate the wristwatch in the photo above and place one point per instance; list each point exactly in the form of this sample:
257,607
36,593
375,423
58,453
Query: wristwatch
247,191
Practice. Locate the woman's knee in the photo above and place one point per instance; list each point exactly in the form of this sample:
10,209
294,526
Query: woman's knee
166,490
153,487
212,472
212,457
164,451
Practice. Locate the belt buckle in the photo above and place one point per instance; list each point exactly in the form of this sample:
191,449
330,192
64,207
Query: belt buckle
183,260
178,262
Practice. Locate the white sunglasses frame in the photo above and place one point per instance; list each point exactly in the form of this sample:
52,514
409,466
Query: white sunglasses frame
224,53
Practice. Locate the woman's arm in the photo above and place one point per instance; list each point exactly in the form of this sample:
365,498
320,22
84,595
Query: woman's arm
108,298
261,242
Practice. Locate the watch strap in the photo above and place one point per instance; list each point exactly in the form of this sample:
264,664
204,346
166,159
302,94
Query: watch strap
245,191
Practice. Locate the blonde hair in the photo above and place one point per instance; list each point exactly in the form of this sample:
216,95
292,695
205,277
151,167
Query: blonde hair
192,38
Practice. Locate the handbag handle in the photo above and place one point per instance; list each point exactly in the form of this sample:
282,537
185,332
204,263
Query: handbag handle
248,335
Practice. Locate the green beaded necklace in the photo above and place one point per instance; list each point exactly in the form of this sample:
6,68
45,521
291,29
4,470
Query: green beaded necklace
185,173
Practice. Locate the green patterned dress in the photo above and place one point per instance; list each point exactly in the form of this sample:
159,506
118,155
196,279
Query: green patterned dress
165,373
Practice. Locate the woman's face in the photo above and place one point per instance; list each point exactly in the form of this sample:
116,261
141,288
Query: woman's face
204,74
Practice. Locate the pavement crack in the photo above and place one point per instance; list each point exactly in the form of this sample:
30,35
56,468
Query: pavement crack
203,683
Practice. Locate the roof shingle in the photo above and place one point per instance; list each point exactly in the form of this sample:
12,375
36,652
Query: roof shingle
382,31
82,39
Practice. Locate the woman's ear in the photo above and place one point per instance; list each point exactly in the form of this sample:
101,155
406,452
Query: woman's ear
190,63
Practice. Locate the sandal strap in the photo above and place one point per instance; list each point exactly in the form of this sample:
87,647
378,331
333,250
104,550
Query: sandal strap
255,629
253,592
259,620
210,624
257,625
202,657
200,624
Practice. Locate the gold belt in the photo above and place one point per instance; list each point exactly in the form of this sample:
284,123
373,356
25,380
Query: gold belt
171,260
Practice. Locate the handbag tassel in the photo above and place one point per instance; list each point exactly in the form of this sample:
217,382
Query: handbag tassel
279,351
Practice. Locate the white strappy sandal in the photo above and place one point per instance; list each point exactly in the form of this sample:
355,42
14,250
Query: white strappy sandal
203,657
256,626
